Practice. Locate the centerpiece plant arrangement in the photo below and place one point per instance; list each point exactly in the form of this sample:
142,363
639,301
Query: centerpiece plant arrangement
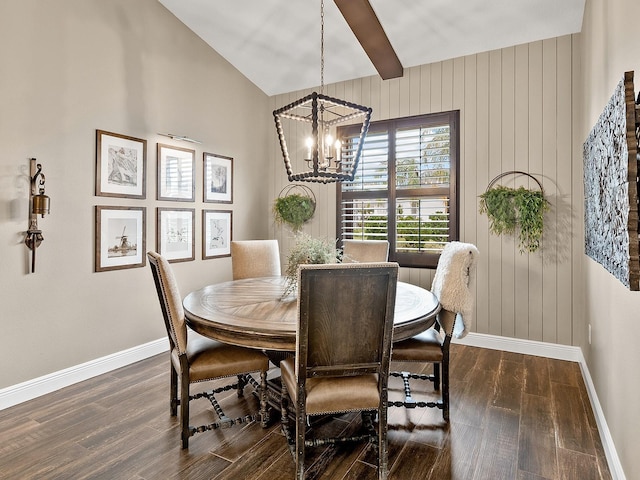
519,212
307,250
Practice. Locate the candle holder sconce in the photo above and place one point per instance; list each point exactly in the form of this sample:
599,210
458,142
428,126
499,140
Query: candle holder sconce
39,204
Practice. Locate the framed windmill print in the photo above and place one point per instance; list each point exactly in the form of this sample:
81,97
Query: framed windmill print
120,165
218,178
176,173
120,238
216,233
174,233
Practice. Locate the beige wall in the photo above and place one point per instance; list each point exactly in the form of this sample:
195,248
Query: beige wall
610,46
516,114
70,67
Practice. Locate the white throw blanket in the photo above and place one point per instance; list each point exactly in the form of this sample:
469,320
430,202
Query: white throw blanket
454,282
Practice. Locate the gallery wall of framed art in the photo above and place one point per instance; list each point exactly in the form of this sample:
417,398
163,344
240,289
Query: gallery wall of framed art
122,172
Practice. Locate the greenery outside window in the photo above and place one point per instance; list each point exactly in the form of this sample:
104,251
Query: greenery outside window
405,188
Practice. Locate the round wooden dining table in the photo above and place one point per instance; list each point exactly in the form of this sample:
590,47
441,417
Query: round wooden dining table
253,313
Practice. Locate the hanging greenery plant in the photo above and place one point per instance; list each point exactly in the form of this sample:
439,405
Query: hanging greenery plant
518,212
294,209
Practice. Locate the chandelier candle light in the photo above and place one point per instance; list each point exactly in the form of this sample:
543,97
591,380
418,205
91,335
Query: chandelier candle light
322,152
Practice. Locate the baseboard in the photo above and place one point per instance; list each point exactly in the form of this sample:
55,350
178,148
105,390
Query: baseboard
605,435
558,352
527,347
37,387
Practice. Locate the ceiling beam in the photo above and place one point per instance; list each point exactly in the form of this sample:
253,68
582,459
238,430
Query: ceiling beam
367,28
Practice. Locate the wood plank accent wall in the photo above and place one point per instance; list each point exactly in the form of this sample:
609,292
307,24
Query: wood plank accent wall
516,114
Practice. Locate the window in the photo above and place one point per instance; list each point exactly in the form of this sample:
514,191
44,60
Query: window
405,188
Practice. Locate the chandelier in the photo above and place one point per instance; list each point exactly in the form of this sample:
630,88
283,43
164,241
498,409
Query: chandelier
321,151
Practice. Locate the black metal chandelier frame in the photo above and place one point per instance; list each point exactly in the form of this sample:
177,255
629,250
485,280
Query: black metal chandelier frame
322,105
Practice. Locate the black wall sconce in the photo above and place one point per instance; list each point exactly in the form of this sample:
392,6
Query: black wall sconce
39,205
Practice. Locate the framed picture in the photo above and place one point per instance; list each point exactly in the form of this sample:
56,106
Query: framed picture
216,233
218,178
120,237
175,239
120,165
176,173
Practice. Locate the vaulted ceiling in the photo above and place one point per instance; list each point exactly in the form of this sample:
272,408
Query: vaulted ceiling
276,43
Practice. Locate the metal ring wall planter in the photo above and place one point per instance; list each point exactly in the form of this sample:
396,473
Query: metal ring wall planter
295,205
518,212
514,172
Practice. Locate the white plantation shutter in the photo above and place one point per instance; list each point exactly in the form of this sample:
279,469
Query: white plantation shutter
372,172
365,219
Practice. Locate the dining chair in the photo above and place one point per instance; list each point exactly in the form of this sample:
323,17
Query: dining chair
454,286
255,258
345,325
365,251
195,358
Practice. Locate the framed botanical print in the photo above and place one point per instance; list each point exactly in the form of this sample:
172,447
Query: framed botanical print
176,173
120,165
218,178
120,238
175,237
216,233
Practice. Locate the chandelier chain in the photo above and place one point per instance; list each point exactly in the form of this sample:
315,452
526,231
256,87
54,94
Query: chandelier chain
321,46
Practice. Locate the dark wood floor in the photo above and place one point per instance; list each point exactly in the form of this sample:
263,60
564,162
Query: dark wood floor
512,417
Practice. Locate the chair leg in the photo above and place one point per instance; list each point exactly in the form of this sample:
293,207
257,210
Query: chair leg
284,413
383,452
242,381
436,376
264,407
284,420
445,387
301,430
173,392
296,445
184,409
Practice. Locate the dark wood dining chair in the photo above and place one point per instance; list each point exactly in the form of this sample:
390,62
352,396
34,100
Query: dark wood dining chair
341,365
453,284
365,251
195,358
255,258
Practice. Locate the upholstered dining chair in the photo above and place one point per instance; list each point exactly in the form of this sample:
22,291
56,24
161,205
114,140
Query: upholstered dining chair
345,325
454,286
365,251
255,258
195,358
